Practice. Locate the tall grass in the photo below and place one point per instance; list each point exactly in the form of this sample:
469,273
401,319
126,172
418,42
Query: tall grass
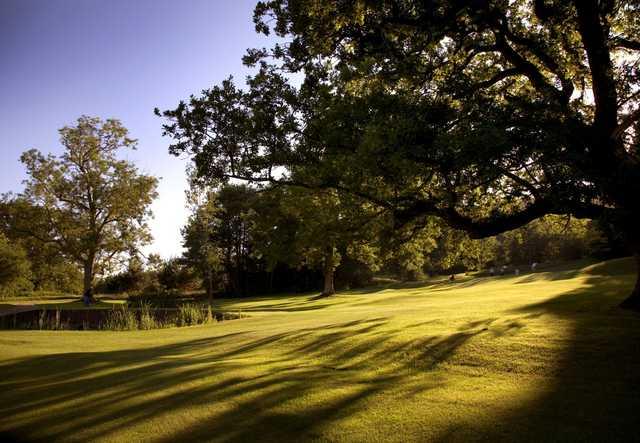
190,315
147,320
123,318
120,318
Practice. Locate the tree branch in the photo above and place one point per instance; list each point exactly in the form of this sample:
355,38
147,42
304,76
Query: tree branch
626,122
497,223
594,40
623,42
498,77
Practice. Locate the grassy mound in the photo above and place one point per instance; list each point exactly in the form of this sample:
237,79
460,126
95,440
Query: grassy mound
544,356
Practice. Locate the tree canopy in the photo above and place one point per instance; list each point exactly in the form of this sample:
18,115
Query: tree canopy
487,114
87,204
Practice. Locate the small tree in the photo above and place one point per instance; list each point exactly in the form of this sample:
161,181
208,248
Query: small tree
201,251
96,206
316,228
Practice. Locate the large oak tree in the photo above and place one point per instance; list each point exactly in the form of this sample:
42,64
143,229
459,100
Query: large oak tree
486,113
92,206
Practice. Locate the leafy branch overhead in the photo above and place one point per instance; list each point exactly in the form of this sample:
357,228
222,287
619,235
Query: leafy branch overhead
488,114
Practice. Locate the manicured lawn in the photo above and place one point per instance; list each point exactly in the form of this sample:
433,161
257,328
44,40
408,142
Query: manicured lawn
546,356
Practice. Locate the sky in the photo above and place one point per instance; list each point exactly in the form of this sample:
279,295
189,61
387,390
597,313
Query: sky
60,59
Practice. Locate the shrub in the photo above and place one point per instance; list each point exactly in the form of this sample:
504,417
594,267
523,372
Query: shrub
15,269
156,296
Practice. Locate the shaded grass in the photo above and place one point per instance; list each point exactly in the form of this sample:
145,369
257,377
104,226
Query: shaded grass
501,358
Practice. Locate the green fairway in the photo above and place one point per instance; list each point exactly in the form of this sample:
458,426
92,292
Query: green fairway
545,356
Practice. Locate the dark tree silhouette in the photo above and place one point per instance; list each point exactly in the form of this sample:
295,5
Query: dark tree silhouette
488,114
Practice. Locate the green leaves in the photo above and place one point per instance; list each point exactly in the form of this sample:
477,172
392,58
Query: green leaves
15,269
485,114
94,205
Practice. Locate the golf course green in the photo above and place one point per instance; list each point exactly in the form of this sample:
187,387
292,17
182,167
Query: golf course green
542,356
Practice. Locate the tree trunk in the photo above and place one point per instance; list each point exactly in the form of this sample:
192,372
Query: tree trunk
633,301
209,284
329,268
87,290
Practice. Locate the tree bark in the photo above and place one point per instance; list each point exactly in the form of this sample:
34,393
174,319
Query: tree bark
633,301
329,268
87,290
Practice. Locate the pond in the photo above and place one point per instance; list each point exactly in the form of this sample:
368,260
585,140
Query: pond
117,318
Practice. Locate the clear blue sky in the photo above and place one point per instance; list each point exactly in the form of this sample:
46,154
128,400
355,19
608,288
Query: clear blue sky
60,59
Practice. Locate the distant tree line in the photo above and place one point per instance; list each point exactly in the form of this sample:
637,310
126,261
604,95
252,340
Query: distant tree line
78,225
241,240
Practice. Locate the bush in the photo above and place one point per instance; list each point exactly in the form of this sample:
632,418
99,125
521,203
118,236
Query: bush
15,269
352,273
157,296
174,274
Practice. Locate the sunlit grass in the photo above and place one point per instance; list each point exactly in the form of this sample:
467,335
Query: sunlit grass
542,356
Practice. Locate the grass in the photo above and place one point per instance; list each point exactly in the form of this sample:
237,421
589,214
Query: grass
545,356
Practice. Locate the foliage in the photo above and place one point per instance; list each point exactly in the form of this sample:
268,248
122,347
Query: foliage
316,229
548,239
15,269
156,296
134,278
175,274
58,275
121,318
485,114
190,314
202,252
237,231
218,238
93,206
248,231
50,271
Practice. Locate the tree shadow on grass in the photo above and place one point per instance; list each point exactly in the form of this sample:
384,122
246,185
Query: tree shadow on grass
421,284
84,396
592,392
308,379
299,302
